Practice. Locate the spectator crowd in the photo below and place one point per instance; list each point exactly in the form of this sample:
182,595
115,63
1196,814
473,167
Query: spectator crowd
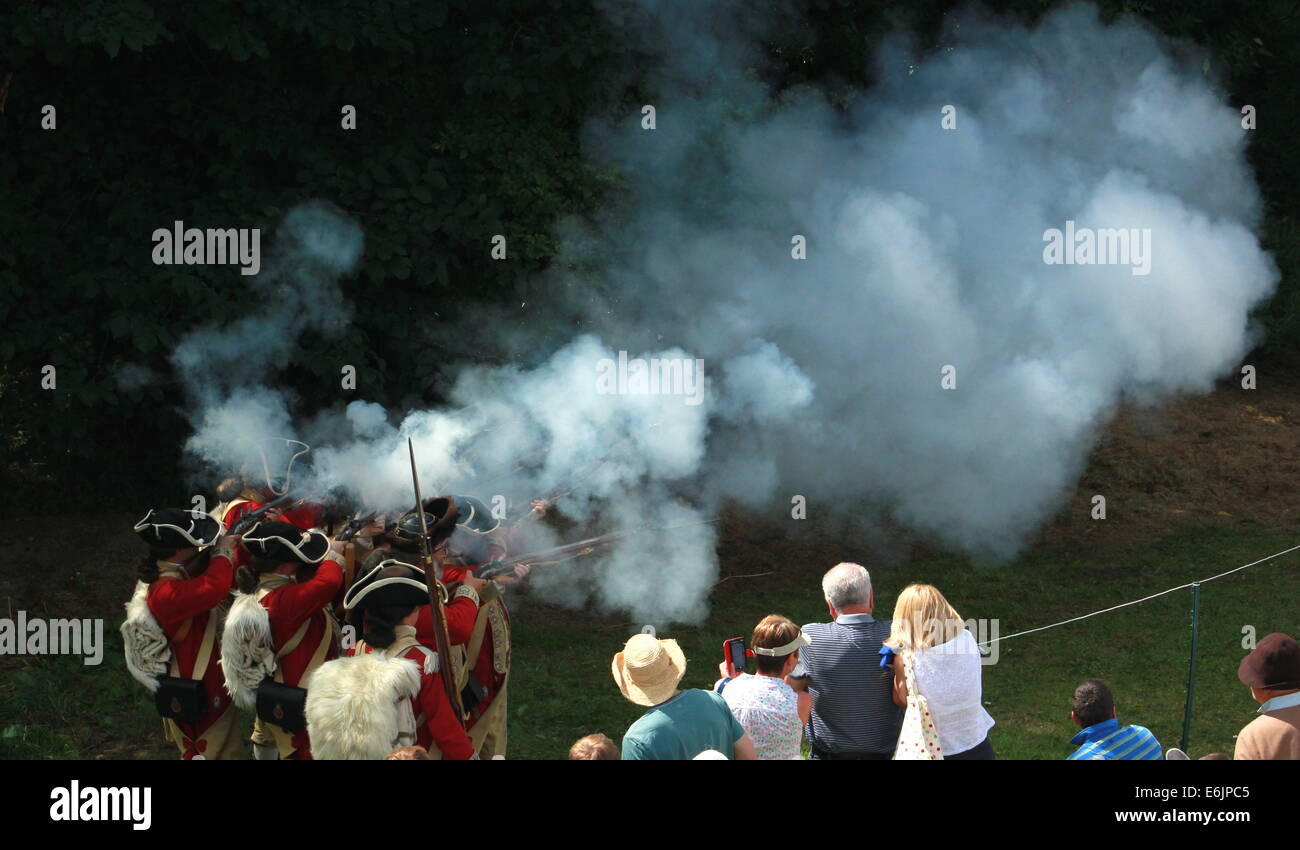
909,687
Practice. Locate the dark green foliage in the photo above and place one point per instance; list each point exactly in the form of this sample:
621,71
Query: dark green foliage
227,113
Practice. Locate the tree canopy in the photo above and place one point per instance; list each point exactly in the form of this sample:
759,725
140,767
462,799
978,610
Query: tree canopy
469,123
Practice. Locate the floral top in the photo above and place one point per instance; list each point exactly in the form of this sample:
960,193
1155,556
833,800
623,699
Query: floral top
768,708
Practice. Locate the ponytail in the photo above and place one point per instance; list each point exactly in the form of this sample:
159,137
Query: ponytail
382,623
147,570
246,577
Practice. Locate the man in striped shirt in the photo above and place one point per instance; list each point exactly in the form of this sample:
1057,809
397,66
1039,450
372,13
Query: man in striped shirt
1100,736
853,711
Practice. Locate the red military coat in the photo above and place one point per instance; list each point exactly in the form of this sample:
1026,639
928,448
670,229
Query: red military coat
460,612
306,516
459,629
288,607
176,602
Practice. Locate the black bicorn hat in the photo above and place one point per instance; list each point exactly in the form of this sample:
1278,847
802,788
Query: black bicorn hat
283,542
475,516
440,514
178,528
391,583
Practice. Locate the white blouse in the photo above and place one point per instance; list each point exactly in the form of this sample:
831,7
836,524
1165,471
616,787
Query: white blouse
950,678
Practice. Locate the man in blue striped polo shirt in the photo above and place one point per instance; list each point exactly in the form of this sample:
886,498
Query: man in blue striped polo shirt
853,711
1100,735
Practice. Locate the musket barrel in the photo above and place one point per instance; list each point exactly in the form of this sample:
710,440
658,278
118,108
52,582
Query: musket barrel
441,635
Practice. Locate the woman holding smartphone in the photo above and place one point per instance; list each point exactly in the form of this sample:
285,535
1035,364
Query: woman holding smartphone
771,712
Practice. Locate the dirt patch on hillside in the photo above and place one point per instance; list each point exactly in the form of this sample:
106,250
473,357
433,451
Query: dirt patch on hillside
1228,458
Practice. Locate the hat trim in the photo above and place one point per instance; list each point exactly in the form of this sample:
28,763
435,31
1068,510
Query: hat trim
303,540
463,522
359,587
385,582
183,532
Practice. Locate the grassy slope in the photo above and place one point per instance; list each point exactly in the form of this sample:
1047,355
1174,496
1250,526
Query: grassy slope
1195,489
58,708
563,688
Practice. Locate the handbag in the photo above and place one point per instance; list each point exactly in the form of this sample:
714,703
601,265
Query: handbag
180,699
286,705
919,739
281,704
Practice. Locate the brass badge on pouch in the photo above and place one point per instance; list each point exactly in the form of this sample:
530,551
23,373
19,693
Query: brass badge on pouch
278,712
176,705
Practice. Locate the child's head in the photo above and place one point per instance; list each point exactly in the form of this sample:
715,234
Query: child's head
595,747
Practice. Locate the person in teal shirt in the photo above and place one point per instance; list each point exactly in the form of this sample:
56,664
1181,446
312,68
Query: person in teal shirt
679,724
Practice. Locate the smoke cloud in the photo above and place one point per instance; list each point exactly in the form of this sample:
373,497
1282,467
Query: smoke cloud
821,377
925,250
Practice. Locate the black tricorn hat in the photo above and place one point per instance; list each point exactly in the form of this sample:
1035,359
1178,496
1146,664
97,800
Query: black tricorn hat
177,528
391,583
283,542
1274,664
440,514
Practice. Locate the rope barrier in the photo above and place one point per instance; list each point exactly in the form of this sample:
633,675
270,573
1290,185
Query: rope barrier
1143,599
1196,605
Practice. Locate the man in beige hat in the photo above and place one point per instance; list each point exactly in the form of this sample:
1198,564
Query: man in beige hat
1272,672
679,724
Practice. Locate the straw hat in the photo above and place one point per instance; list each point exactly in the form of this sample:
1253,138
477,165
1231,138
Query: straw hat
647,670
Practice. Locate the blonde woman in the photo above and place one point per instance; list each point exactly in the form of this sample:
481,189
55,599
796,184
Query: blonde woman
928,634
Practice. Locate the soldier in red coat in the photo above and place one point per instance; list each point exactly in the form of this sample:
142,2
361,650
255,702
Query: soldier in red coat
303,513
395,697
173,629
281,627
484,666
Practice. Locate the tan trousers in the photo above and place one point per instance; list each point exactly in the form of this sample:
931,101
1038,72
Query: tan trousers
220,741
270,735
488,736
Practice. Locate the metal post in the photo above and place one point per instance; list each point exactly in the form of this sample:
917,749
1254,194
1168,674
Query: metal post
1191,665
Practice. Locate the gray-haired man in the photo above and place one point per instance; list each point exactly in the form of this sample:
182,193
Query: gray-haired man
853,714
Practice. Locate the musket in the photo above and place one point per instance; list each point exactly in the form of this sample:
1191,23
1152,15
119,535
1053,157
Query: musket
581,547
247,521
354,525
569,486
440,635
571,483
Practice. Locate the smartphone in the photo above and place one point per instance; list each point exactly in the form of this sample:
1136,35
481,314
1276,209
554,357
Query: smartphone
733,651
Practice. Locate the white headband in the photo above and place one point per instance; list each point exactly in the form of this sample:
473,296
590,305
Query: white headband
801,640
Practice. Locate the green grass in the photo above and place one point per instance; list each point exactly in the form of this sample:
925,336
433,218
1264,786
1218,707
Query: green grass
562,688
56,707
